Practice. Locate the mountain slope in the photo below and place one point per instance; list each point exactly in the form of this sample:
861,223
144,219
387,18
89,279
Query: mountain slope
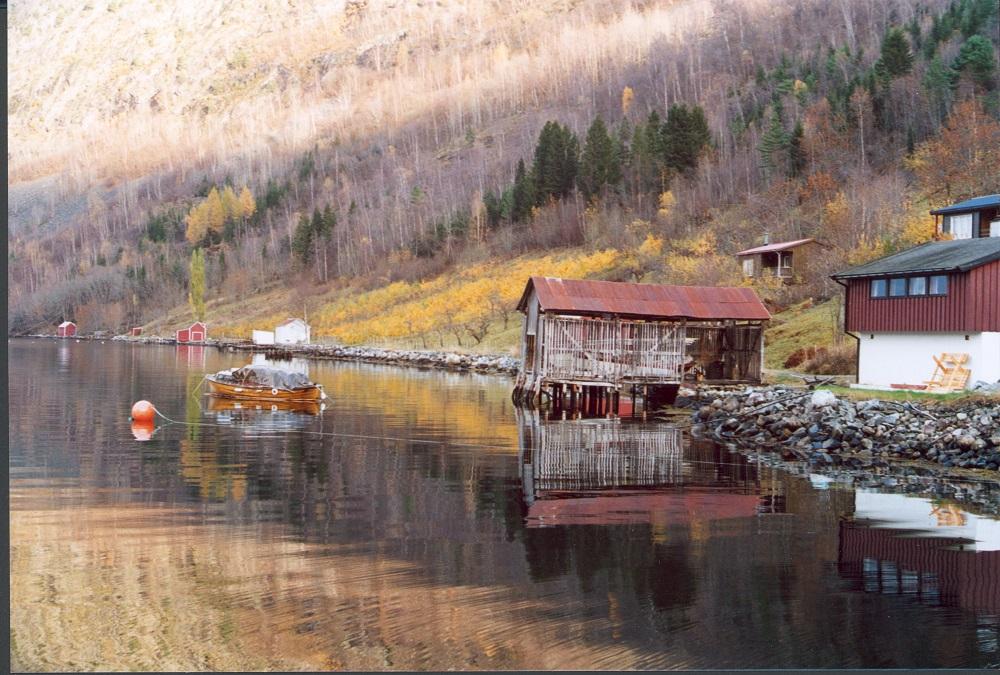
402,120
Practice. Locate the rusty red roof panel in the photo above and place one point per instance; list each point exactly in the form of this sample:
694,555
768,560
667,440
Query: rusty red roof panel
575,296
632,506
770,248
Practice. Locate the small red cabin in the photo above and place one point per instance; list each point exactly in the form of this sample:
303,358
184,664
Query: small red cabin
196,333
66,329
137,331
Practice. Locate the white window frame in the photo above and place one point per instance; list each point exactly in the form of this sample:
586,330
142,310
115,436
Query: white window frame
959,226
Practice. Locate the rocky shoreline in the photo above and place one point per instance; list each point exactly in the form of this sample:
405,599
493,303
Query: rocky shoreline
823,430
940,451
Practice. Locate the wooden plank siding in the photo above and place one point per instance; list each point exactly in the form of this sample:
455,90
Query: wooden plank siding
984,297
610,351
971,305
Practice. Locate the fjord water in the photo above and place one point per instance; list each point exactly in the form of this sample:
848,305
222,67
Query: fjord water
420,522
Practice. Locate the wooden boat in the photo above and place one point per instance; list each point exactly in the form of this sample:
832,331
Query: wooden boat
257,383
225,404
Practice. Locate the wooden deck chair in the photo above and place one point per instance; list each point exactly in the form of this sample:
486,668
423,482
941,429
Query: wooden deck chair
949,374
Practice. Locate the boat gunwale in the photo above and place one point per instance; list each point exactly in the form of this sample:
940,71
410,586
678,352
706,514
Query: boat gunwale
310,393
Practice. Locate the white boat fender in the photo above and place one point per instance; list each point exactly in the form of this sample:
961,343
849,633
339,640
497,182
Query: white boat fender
274,392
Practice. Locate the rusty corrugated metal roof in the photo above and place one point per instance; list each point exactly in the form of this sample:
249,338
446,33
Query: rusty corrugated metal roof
650,301
771,248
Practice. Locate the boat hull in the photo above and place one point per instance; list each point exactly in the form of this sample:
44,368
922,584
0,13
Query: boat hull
245,393
221,404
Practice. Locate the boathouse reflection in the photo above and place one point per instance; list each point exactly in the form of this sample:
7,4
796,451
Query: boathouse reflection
608,471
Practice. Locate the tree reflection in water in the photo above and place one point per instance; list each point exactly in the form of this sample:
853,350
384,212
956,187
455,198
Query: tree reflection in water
409,540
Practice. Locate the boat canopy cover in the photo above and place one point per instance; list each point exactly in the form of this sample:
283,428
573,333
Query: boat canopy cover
264,376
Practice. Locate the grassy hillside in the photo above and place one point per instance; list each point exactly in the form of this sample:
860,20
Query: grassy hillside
806,324
470,307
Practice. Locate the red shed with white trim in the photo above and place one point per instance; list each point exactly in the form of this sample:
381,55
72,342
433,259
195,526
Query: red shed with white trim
66,329
196,333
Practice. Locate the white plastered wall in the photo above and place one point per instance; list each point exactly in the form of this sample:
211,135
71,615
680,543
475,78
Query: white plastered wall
905,358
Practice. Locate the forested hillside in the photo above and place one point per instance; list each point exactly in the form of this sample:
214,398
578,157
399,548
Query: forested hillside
168,159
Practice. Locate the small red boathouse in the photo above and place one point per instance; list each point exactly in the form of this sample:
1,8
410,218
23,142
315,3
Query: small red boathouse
196,333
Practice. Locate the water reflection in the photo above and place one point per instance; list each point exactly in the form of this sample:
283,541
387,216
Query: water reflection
399,529
935,553
608,471
294,364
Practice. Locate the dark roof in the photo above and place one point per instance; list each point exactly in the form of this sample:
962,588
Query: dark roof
780,246
648,301
960,255
973,204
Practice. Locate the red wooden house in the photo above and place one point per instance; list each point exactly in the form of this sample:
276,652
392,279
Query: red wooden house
939,297
66,329
136,331
196,333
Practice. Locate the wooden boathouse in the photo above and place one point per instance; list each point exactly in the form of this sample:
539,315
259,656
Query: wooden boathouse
589,341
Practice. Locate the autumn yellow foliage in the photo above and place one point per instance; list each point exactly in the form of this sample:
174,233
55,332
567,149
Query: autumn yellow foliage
463,304
211,213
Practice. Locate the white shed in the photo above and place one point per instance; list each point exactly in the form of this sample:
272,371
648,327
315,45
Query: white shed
263,337
292,332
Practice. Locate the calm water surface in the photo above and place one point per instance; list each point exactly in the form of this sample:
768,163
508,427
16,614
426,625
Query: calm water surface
421,522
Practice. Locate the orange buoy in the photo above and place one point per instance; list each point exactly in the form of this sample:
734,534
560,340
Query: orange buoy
143,411
143,431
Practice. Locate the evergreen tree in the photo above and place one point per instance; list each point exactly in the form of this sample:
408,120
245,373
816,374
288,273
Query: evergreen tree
913,28
316,225
939,80
569,160
554,168
796,152
685,134
976,58
329,221
975,15
543,169
494,211
599,166
654,134
302,240
196,287
896,57
507,204
622,140
643,162
773,145
522,196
